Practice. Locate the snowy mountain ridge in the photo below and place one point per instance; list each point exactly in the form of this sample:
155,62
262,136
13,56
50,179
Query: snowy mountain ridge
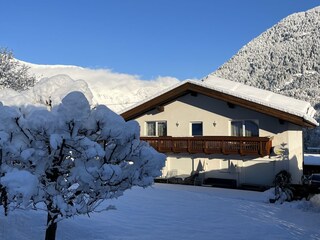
116,90
284,59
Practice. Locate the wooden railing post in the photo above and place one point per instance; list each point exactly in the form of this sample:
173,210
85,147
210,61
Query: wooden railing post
261,149
223,147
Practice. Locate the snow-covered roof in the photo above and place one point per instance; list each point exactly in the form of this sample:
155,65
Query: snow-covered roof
267,98
312,159
238,90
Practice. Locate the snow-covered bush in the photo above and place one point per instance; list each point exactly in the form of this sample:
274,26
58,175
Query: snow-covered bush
315,202
283,190
50,91
71,158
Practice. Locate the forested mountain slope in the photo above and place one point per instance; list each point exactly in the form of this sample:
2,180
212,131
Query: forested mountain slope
284,59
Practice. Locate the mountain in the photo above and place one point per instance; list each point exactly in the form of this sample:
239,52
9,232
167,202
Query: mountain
116,90
284,59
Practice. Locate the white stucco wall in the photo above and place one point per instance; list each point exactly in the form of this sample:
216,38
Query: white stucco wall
295,146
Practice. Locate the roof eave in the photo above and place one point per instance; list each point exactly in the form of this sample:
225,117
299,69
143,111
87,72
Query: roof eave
188,86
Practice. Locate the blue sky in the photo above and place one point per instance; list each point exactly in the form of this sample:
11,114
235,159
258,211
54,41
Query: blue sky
150,38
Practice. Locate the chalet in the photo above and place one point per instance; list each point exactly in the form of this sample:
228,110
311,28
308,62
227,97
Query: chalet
225,131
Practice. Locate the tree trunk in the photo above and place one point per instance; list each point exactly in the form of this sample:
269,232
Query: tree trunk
4,199
51,227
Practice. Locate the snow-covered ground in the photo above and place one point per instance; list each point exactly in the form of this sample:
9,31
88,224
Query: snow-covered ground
178,212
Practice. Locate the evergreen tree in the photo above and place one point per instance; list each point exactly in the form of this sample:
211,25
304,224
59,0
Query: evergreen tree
14,74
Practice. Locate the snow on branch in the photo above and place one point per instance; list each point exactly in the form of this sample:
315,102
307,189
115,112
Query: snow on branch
71,157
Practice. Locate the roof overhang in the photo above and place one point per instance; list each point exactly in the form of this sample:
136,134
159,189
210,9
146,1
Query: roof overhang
190,87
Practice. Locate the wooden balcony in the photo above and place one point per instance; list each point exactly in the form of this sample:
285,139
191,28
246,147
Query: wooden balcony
259,146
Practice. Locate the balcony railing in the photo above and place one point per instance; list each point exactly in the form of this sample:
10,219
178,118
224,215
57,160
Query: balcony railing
260,146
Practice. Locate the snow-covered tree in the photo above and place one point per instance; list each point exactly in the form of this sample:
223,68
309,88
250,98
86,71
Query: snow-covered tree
71,158
14,74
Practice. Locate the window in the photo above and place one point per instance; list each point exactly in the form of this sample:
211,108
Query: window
157,129
151,128
236,128
244,128
196,129
162,129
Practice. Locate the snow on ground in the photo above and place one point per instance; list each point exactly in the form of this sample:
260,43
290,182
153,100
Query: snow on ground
312,159
178,212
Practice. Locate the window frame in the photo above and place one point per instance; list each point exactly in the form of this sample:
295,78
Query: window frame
243,127
147,128
156,124
191,128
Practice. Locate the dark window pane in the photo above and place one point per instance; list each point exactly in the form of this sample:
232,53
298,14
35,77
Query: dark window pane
162,129
236,128
196,129
151,128
251,129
